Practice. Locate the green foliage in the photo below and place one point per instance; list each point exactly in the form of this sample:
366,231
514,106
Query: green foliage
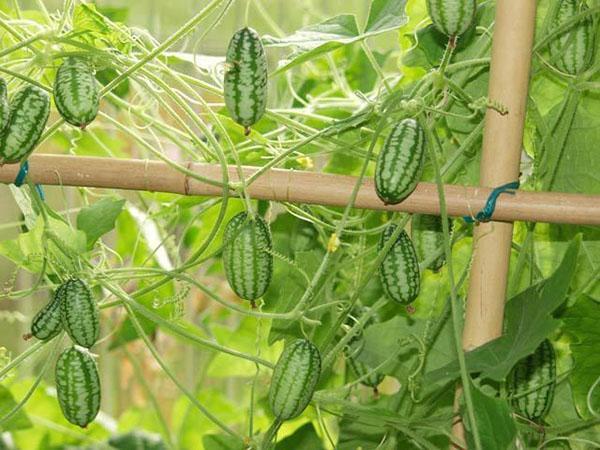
183,362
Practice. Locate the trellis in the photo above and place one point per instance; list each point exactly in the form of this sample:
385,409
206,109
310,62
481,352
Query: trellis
509,76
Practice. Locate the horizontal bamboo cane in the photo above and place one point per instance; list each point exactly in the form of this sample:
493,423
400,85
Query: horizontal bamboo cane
303,187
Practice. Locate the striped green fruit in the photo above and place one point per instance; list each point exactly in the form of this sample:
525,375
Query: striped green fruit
29,111
452,17
47,322
77,386
246,256
137,440
79,313
360,370
245,82
399,271
294,379
400,162
76,92
572,51
4,105
428,239
532,381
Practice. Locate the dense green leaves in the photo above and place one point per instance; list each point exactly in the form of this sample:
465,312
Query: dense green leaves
528,320
581,323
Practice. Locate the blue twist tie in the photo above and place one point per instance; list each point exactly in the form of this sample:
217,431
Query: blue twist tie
20,179
22,174
485,215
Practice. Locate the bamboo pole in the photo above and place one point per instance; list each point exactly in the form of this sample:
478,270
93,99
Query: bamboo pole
502,141
302,187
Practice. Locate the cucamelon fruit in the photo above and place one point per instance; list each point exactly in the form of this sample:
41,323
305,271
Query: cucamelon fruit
372,378
29,111
452,17
137,440
76,92
399,271
77,386
532,381
400,162
247,257
294,379
79,313
4,105
245,84
47,322
428,239
572,51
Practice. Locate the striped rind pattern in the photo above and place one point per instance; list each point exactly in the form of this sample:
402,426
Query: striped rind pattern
76,92
4,105
360,369
572,51
77,386
399,272
247,259
452,17
294,379
47,323
245,84
79,313
535,374
29,111
137,440
400,162
428,239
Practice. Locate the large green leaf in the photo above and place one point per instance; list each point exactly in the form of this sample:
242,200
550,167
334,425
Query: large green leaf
20,420
495,426
315,40
528,320
304,437
581,322
99,218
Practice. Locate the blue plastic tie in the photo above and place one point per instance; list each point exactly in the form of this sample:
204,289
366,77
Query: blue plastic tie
20,179
22,174
485,215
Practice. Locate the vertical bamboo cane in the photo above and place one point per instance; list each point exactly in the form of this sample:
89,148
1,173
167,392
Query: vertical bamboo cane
503,135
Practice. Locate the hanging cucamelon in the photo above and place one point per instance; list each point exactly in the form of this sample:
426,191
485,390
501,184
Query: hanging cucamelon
79,313
294,379
247,256
137,440
4,105
399,271
428,239
47,322
29,111
362,371
76,92
532,381
400,162
77,386
245,84
572,51
452,17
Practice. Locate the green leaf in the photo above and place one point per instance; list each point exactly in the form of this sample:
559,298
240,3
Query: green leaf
581,322
90,26
221,442
577,169
527,320
20,420
386,15
99,218
336,32
495,426
304,437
